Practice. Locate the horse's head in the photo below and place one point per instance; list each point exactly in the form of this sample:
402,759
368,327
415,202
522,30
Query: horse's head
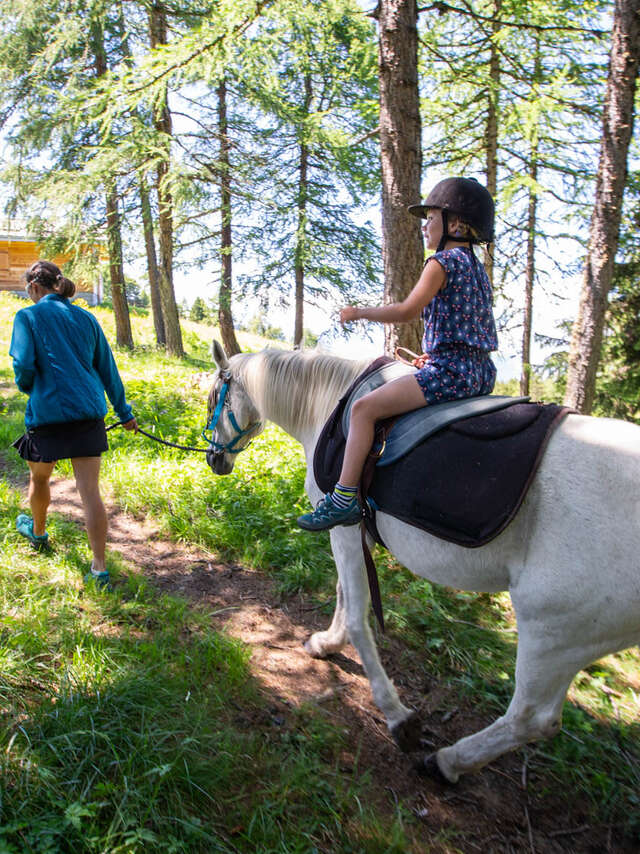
232,419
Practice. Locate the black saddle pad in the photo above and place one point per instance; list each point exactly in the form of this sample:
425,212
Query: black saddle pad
463,484
467,482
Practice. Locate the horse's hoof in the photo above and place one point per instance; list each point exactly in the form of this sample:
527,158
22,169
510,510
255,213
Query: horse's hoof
312,650
427,766
407,733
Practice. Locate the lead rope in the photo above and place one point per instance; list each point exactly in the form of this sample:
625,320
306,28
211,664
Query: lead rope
161,441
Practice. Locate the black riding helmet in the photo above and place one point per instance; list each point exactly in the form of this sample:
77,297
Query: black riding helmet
466,198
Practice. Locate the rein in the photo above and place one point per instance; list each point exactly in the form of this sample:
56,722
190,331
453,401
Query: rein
368,509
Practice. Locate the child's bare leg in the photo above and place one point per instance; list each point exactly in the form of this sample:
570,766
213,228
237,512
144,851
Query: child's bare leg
394,398
341,506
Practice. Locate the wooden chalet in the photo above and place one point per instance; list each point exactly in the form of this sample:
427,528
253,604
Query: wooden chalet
18,251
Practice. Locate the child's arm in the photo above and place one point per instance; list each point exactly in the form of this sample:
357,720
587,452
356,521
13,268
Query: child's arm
433,278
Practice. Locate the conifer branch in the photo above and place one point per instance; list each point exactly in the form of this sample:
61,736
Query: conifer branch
442,7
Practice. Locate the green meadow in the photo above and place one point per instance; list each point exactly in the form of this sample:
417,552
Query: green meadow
120,728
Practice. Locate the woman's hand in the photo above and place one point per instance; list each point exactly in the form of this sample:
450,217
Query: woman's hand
131,425
349,313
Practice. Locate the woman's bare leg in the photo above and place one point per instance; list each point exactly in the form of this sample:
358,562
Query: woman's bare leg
87,473
394,398
39,494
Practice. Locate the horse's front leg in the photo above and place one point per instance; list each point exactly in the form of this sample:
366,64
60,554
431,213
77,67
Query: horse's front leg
350,622
321,644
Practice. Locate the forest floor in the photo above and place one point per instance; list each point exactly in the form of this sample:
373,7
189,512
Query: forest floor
504,808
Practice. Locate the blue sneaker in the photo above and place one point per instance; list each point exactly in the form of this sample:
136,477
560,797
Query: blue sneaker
24,526
100,579
327,515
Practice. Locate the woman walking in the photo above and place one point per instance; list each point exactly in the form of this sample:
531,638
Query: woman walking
62,361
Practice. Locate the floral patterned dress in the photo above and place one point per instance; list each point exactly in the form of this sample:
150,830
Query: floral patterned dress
459,331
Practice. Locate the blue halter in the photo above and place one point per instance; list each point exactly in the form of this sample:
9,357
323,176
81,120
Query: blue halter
229,447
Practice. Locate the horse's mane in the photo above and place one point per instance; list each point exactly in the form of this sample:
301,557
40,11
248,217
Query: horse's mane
295,389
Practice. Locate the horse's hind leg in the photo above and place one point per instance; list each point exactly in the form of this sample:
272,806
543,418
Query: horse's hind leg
543,677
321,644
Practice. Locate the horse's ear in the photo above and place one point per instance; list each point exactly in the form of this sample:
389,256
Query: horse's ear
219,356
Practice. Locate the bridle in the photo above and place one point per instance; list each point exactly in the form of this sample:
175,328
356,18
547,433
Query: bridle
224,401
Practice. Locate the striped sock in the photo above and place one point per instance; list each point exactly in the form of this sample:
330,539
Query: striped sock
342,496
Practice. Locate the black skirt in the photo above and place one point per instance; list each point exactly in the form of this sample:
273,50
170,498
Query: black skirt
51,442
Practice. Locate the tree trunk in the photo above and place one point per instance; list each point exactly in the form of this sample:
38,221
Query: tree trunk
225,318
618,116
303,189
152,261
401,161
525,376
114,236
116,273
530,272
145,207
491,164
162,122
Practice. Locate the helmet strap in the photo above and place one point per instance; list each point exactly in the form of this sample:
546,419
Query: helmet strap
445,230
446,236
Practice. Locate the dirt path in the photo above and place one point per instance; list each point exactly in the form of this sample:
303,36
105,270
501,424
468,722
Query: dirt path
497,810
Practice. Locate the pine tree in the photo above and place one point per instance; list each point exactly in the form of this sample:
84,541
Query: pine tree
195,54
163,126
401,160
63,48
124,336
513,97
617,127
146,213
313,91
198,312
225,316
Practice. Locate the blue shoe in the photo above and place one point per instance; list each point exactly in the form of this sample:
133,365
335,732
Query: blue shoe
327,515
24,526
100,579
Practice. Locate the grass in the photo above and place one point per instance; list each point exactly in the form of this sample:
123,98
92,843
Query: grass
127,724
120,715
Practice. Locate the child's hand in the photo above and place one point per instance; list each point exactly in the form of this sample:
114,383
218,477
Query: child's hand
421,361
349,313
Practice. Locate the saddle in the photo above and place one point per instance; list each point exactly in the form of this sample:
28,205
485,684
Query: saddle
408,430
458,470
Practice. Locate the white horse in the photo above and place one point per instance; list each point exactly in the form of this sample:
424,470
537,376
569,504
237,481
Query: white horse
570,559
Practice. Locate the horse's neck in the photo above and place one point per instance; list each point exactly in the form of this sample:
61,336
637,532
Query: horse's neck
295,390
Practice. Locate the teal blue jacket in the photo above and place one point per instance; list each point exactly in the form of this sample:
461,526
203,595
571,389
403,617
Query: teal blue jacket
63,361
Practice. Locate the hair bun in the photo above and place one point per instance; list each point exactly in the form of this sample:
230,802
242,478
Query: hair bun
49,276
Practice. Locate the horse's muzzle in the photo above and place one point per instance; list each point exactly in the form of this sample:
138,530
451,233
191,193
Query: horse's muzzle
219,462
